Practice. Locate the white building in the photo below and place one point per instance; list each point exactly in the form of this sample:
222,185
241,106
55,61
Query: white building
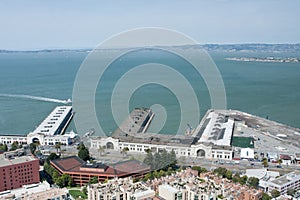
49,131
36,192
247,153
169,193
264,176
285,182
211,139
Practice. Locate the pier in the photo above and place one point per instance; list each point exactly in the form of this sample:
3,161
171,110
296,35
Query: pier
56,122
138,121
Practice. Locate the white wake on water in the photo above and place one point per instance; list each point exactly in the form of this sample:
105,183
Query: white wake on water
24,96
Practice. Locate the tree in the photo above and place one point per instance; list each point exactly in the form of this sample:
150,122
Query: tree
243,180
147,150
101,150
3,147
83,152
14,146
52,156
275,193
228,174
124,151
64,180
253,182
236,178
157,161
220,171
94,180
84,190
265,196
199,169
58,147
265,162
32,147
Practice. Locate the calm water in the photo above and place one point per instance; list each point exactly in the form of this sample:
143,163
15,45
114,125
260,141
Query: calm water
264,89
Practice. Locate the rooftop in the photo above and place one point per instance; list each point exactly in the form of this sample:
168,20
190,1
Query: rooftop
287,178
15,160
217,128
135,122
75,164
52,122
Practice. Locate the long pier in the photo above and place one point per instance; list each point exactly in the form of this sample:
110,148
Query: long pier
56,122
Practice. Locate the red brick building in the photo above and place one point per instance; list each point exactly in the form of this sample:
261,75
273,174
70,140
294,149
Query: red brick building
81,172
18,171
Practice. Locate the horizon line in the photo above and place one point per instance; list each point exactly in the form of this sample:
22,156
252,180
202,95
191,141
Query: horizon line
90,48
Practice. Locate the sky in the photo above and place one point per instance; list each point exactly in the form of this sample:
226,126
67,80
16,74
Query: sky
35,24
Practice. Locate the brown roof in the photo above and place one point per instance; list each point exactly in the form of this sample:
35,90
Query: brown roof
73,164
68,164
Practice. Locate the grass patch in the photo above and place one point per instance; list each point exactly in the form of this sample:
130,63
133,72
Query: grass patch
76,194
242,142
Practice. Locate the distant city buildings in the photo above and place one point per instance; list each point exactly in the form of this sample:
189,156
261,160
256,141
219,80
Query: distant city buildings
16,171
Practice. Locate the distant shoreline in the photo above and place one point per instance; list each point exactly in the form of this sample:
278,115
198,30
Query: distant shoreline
267,59
208,47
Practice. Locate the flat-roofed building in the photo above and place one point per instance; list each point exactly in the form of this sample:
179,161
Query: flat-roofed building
285,182
16,171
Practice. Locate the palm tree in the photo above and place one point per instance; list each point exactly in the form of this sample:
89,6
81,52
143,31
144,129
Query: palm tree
58,146
124,151
101,150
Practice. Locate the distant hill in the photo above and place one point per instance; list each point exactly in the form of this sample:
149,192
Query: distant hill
208,47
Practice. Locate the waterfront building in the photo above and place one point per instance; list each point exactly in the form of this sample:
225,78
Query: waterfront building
81,172
211,139
16,171
49,132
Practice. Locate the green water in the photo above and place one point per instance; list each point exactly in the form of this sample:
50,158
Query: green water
264,89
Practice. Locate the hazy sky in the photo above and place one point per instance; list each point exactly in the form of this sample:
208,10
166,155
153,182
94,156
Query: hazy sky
36,24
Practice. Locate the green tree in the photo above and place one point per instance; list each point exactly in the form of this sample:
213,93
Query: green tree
14,146
83,153
253,182
265,162
157,161
236,178
265,196
243,180
275,193
124,151
94,180
58,148
228,174
84,190
64,180
3,147
32,147
147,150
52,156
220,171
